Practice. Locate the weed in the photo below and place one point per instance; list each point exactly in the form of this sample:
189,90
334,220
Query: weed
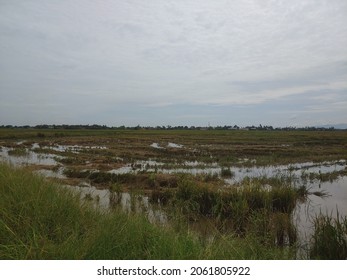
329,240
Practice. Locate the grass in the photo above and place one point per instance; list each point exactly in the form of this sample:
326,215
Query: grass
324,177
329,241
241,210
258,211
18,152
41,220
223,147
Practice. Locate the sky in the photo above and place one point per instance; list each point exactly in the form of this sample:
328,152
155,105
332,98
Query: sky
173,62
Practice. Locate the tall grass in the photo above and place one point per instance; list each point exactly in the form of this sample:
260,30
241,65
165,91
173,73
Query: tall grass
41,220
251,208
329,240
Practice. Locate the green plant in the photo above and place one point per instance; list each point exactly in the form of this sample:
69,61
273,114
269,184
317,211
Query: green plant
329,240
18,152
41,220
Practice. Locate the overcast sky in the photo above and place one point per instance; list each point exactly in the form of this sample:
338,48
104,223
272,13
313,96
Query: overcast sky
173,62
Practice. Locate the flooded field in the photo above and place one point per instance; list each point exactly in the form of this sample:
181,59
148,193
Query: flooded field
141,172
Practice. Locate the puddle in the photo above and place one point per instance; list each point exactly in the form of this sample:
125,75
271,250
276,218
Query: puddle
64,148
156,146
299,173
138,166
35,146
173,145
29,157
169,145
296,171
122,170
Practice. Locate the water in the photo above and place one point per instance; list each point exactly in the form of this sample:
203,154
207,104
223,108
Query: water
298,172
59,173
156,146
73,148
105,200
174,145
303,214
29,158
169,145
332,205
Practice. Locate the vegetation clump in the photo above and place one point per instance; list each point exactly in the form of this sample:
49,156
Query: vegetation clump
18,152
226,173
40,220
329,240
238,209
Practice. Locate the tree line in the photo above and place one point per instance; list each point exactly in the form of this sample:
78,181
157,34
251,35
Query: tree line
168,127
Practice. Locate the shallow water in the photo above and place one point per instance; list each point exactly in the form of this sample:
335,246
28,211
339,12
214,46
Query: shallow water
73,148
52,173
303,214
156,146
331,205
174,145
29,158
105,200
295,171
169,145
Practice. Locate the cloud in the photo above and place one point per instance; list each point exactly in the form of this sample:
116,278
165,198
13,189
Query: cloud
158,54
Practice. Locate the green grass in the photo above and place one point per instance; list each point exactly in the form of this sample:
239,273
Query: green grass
41,220
329,241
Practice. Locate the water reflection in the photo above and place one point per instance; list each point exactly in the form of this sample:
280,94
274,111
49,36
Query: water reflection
332,205
106,200
29,157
